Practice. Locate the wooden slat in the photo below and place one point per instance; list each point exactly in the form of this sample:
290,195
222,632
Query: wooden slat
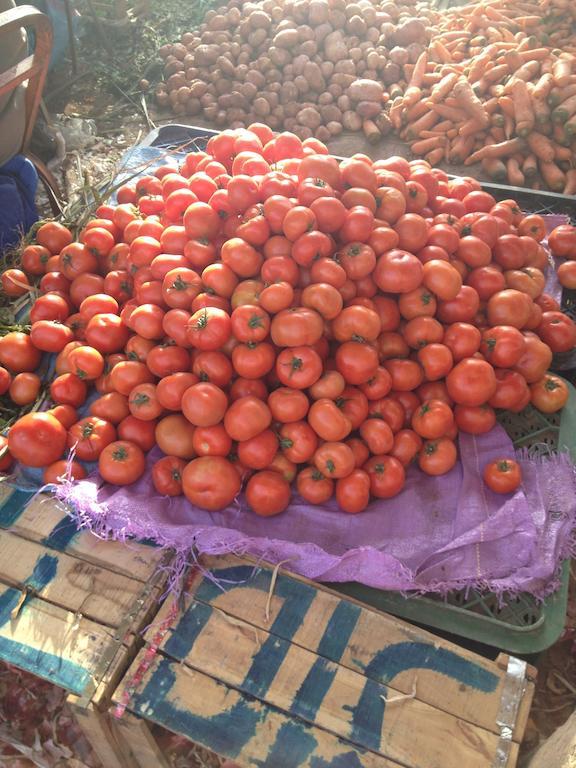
67,581
142,745
101,736
51,642
233,725
325,693
383,648
44,519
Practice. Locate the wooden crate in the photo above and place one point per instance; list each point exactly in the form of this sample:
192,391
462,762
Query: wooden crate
274,671
72,611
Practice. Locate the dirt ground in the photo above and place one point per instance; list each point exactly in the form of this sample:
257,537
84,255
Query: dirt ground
102,110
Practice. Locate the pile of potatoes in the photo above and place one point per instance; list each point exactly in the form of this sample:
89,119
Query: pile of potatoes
313,67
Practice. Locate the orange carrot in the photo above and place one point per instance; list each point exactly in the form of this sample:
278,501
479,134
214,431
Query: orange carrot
515,175
412,95
450,113
558,95
427,145
523,110
564,110
461,148
561,72
562,154
541,146
470,127
502,149
419,70
479,66
470,103
552,175
436,156
497,73
424,123
541,111
530,166
542,88
443,88
494,168
506,105
439,52
570,126
560,135
498,134
570,186
395,113
416,111
534,54
513,61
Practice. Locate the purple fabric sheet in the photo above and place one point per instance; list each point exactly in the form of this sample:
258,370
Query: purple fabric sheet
438,534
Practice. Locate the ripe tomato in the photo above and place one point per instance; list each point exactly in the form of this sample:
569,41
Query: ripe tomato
50,335
86,362
356,361
512,393
89,436
471,382
127,374
143,402
276,297
76,259
36,439
268,493
330,213
475,419
259,451
386,475
246,418
328,421
377,435
5,380
208,328
407,445
250,323
313,486
567,274
461,309
53,236
436,361
398,271
358,323
298,367
63,471
334,460
107,333
433,419
298,326
417,303
204,404
437,457
298,441
138,431
442,279
24,388
121,463
174,436
68,389
51,306
15,282
486,281
502,475
180,287
212,441
18,353
536,359
112,407
549,394
210,482
34,259
503,346
324,298
412,230
167,475
558,331
353,492
66,414
201,221
562,241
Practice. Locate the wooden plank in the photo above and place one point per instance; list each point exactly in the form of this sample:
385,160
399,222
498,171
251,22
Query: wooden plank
103,738
236,726
142,745
45,520
383,648
50,642
67,581
325,693
559,749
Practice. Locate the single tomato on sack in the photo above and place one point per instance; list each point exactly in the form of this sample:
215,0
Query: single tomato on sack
353,492
502,475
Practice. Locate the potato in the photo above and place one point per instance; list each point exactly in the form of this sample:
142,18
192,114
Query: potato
321,32
325,98
286,39
222,85
309,117
368,109
248,91
301,83
260,20
162,99
411,31
233,16
330,113
208,100
366,90
391,73
318,11
193,107
343,102
179,51
303,132
336,90
288,92
176,81
172,68
323,134
165,51
337,19
313,75
280,57
335,46
256,77
261,107
345,66
305,33
351,121
292,109
327,68
308,48
210,112
257,37
356,54
290,123
226,66
334,128
344,80
356,26
399,56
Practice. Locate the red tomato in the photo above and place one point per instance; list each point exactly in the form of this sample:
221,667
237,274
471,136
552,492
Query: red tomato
121,463
502,475
167,475
353,492
386,475
210,482
437,457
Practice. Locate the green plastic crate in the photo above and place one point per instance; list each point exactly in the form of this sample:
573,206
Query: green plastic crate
523,625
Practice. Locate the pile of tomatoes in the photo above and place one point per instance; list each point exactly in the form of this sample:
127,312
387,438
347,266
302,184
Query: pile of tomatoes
267,316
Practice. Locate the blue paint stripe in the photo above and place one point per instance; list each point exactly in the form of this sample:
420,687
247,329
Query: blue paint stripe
62,534
339,630
316,684
292,747
190,625
13,507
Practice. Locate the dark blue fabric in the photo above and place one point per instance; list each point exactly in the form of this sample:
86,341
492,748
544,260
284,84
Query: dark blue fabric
18,183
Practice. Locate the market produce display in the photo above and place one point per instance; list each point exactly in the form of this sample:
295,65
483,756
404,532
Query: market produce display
489,82
268,316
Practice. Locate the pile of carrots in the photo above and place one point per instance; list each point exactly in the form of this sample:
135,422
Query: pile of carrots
497,85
